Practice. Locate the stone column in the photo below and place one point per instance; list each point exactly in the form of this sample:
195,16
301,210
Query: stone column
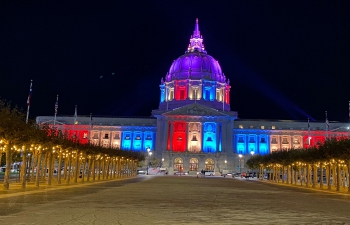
217,136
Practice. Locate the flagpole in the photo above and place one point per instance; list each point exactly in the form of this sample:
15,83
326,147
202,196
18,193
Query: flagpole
75,115
56,107
223,99
29,99
308,127
327,124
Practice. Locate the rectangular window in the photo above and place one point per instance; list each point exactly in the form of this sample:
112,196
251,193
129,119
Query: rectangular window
117,136
95,136
284,140
240,126
106,136
251,140
127,137
85,135
273,127
262,140
251,127
296,141
274,140
138,137
262,127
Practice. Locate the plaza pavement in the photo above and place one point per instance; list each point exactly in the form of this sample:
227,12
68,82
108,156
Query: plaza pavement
174,200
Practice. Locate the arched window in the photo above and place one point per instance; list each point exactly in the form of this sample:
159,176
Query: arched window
193,164
209,165
178,164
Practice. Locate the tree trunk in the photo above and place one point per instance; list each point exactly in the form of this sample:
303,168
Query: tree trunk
84,168
93,168
347,180
99,170
321,175
315,175
338,177
8,166
69,167
24,169
89,169
38,168
77,168
44,166
50,156
59,167
329,177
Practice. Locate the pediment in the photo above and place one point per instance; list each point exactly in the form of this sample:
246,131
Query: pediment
195,109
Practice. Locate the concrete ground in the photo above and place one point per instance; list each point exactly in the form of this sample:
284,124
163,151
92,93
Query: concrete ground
174,200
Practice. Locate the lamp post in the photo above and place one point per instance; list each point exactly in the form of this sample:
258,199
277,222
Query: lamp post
149,153
240,167
161,166
225,164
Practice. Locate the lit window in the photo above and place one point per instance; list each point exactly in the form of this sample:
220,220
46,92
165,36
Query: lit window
106,136
85,135
251,127
284,140
240,126
273,127
262,127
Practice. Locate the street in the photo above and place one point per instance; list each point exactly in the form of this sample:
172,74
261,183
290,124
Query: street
177,200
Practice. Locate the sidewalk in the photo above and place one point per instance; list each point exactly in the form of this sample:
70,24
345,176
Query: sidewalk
343,190
15,187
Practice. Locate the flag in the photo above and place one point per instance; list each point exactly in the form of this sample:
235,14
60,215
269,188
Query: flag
30,93
56,106
75,115
91,125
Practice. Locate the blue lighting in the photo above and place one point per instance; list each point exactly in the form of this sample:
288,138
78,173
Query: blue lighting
253,141
209,141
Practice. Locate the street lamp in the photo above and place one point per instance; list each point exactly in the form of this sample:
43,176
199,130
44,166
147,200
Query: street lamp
161,166
225,164
240,159
149,153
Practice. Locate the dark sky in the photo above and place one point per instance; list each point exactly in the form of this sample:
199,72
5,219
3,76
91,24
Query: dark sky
285,59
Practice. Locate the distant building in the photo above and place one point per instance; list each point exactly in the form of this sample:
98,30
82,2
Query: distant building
194,128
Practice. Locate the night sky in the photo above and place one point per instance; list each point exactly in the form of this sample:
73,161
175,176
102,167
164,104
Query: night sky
285,59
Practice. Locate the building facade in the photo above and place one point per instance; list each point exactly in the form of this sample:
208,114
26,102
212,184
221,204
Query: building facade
193,128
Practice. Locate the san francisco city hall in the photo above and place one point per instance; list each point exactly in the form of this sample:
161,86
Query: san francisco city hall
193,128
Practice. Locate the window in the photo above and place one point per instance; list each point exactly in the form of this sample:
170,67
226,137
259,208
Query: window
240,126
138,137
106,136
296,141
251,127
285,140
95,136
262,140
240,139
251,140
127,137
148,137
117,136
194,138
274,140
85,135
262,127
273,127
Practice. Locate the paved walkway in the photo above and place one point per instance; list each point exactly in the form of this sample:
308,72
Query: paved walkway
175,200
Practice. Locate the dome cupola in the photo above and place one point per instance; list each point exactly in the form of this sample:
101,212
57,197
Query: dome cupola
195,77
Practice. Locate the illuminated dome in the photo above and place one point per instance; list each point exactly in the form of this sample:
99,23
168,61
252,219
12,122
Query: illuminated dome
195,63
195,77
